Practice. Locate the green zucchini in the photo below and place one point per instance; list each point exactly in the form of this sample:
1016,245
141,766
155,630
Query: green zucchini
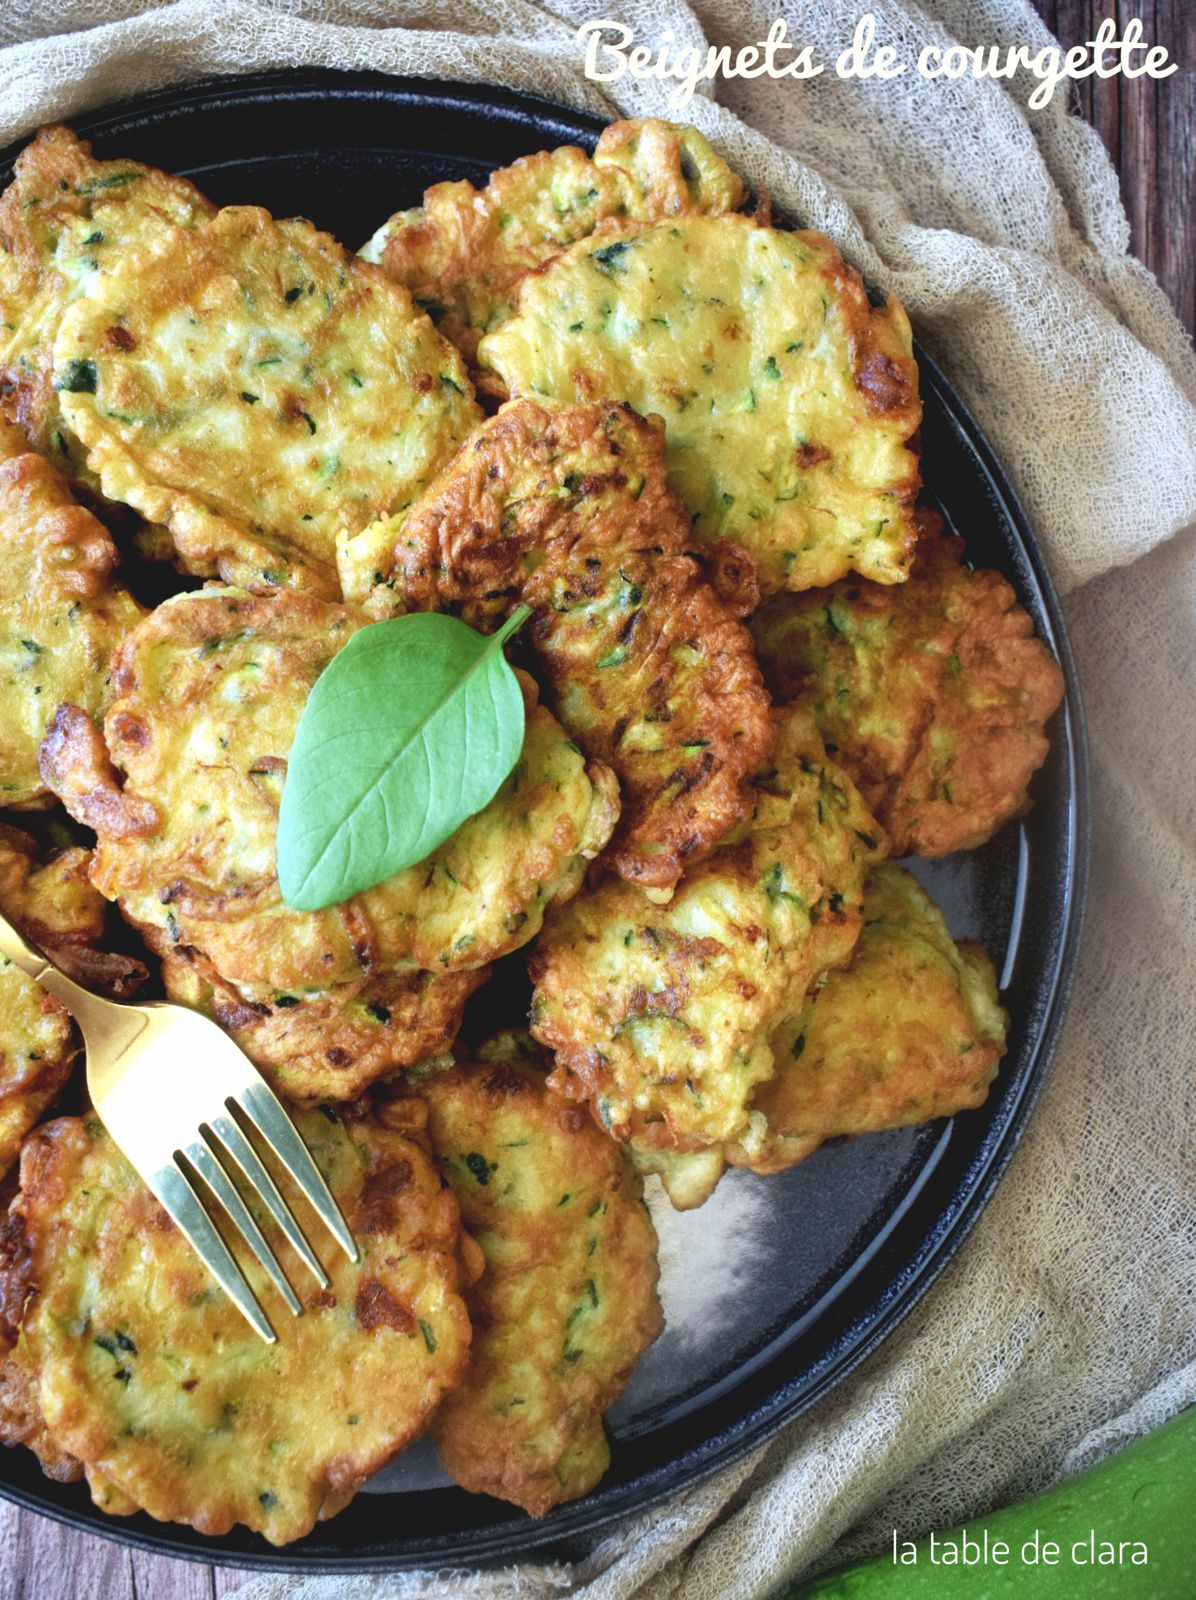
1135,1511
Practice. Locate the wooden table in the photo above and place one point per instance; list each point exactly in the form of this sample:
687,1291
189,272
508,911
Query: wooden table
1149,128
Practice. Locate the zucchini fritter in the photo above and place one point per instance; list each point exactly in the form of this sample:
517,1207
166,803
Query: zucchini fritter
333,1043
64,220
53,903
22,1423
254,389
147,1374
934,695
910,1031
567,1302
789,401
661,1015
61,613
37,1049
210,690
462,253
649,668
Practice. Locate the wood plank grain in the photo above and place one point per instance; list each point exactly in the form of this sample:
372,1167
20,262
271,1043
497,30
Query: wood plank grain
1149,129
44,1560
158,1578
41,1558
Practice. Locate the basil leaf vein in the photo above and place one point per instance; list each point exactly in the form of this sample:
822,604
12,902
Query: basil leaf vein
410,730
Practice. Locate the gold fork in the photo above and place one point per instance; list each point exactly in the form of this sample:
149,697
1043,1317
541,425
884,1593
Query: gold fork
173,1090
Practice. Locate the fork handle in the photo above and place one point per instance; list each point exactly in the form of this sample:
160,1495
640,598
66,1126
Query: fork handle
20,952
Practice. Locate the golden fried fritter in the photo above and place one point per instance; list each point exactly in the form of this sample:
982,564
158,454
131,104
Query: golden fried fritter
934,694
37,1050
54,904
254,389
661,1015
567,1302
668,169
210,689
462,253
61,613
22,1423
568,509
150,1377
789,401
910,1031
65,220
328,1044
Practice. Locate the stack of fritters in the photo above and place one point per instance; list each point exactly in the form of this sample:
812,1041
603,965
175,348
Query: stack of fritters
51,899
661,1014
147,1375
209,693
934,694
65,220
763,671
464,252
62,612
567,1302
789,401
651,671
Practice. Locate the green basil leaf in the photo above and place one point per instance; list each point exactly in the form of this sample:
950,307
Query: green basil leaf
409,730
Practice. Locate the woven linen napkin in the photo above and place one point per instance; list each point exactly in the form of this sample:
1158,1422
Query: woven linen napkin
1066,1325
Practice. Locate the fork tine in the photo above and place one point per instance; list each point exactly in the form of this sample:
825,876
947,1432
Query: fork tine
239,1214
173,1189
259,1104
238,1146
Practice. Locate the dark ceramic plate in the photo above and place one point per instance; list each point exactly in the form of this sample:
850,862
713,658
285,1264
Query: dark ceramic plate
777,1287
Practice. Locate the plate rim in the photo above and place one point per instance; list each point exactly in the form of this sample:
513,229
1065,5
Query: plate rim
792,1396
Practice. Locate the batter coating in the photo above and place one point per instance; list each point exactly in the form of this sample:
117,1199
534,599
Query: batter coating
22,1423
210,691
910,1031
688,1177
53,903
934,695
648,667
66,219
463,252
789,401
254,389
147,1374
661,1015
329,1044
37,1050
567,1302
61,612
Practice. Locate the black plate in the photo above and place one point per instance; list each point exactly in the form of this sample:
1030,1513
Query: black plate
829,1257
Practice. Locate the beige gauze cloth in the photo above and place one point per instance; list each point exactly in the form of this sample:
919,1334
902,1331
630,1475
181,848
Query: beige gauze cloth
1065,1326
